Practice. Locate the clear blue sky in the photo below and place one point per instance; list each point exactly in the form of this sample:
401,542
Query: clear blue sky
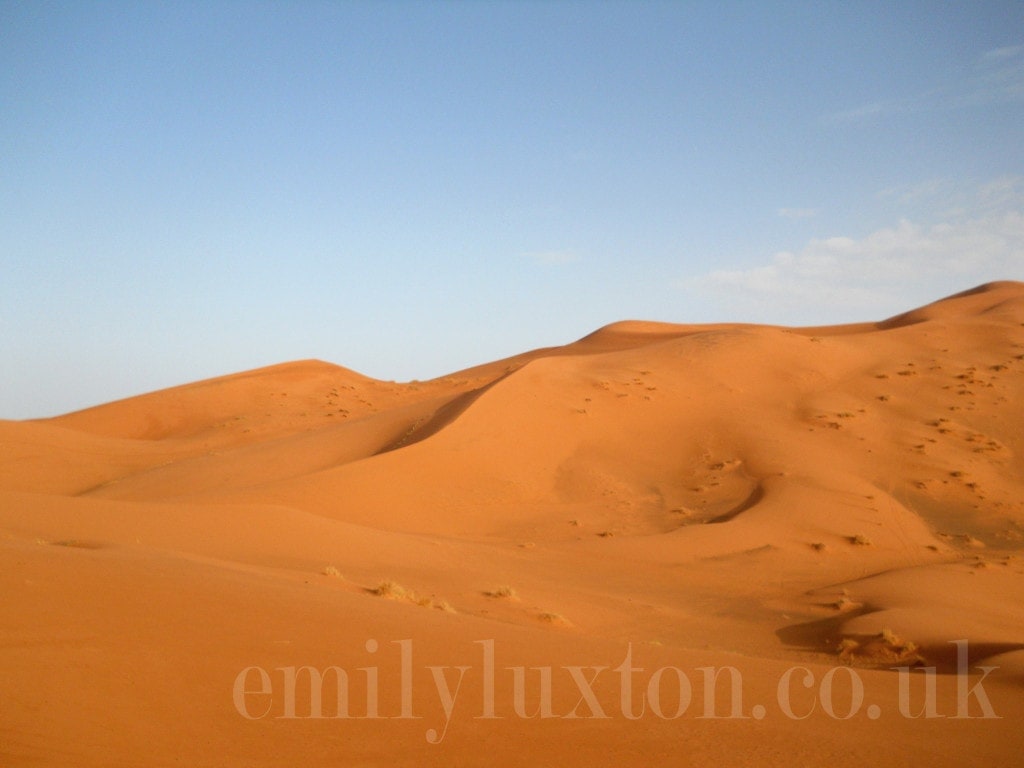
408,188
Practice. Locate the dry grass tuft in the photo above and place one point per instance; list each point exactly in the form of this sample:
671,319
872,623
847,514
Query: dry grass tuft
847,646
879,650
393,591
888,636
505,592
554,618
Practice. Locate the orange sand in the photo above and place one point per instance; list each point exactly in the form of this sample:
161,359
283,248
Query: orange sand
840,500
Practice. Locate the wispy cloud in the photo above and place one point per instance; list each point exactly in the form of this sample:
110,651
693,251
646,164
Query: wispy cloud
996,77
1001,54
928,189
939,199
866,274
863,112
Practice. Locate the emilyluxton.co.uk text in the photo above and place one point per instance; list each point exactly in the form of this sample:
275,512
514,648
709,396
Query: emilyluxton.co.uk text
665,693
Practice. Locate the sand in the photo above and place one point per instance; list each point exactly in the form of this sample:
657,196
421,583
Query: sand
830,520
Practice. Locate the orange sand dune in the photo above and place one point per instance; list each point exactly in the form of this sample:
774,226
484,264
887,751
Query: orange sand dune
798,510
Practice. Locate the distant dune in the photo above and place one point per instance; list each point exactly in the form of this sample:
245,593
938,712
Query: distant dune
836,500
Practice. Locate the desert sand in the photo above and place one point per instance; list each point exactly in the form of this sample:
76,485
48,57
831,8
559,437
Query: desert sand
800,511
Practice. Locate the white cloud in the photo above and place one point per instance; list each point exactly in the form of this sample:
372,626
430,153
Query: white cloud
878,271
553,258
1003,193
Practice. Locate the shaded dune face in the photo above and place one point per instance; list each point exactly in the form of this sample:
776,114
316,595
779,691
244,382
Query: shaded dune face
753,495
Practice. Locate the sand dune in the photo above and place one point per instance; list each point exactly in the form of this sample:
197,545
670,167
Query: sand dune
763,498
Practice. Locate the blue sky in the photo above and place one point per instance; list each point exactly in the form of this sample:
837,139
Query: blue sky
409,188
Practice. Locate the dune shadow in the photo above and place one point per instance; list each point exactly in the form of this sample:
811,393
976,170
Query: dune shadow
440,419
825,635
820,634
78,544
753,499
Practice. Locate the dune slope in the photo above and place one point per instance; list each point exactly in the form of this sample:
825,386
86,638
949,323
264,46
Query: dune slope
758,498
